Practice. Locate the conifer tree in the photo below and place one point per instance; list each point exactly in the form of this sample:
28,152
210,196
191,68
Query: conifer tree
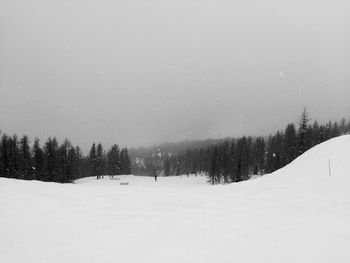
79,163
93,161
303,132
232,162
13,155
260,155
51,161
113,162
38,161
167,166
290,144
225,161
100,159
125,162
4,156
214,174
25,159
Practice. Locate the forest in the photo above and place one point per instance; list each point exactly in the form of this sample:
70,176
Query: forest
222,160
235,159
61,163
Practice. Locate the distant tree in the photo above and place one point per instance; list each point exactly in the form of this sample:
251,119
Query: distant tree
275,157
51,160
25,160
13,154
38,161
63,162
225,161
79,163
232,162
243,159
167,166
125,162
188,162
315,134
342,127
100,159
214,174
335,132
201,165
4,156
303,132
113,161
258,155
93,161
290,144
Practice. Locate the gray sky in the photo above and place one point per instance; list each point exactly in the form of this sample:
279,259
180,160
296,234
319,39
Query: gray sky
146,71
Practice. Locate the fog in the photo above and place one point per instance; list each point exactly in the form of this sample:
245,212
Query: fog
142,72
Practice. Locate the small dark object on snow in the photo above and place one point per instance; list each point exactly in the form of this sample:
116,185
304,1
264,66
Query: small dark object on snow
155,175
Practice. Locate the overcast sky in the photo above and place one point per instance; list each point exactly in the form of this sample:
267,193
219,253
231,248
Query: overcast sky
141,72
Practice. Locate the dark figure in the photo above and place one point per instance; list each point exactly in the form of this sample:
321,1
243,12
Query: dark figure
155,175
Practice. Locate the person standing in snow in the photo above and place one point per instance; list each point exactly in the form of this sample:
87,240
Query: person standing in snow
155,175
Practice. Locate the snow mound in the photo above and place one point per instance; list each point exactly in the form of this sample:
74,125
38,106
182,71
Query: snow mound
326,162
333,154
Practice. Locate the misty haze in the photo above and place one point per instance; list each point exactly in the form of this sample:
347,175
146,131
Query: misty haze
174,131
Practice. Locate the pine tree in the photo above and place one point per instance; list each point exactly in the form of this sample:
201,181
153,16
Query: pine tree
315,136
93,161
51,164
38,159
225,161
25,159
51,161
303,132
232,162
258,155
342,126
243,155
167,166
125,162
113,162
214,173
5,172
13,154
100,159
72,165
290,144
79,163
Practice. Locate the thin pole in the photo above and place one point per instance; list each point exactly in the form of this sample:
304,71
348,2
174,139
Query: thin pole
329,167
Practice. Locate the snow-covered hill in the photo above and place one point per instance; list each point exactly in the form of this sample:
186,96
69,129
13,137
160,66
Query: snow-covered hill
297,214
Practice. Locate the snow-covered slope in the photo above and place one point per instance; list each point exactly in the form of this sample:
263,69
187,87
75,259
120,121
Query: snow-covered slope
314,164
297,214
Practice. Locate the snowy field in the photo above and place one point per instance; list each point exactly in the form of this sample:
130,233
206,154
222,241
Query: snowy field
297,214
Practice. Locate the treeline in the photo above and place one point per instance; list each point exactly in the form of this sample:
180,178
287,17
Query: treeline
239,159
114,162
54,162
234,160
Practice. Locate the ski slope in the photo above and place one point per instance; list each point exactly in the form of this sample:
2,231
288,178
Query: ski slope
297,214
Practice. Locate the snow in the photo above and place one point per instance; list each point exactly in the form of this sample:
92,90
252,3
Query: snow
297,214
